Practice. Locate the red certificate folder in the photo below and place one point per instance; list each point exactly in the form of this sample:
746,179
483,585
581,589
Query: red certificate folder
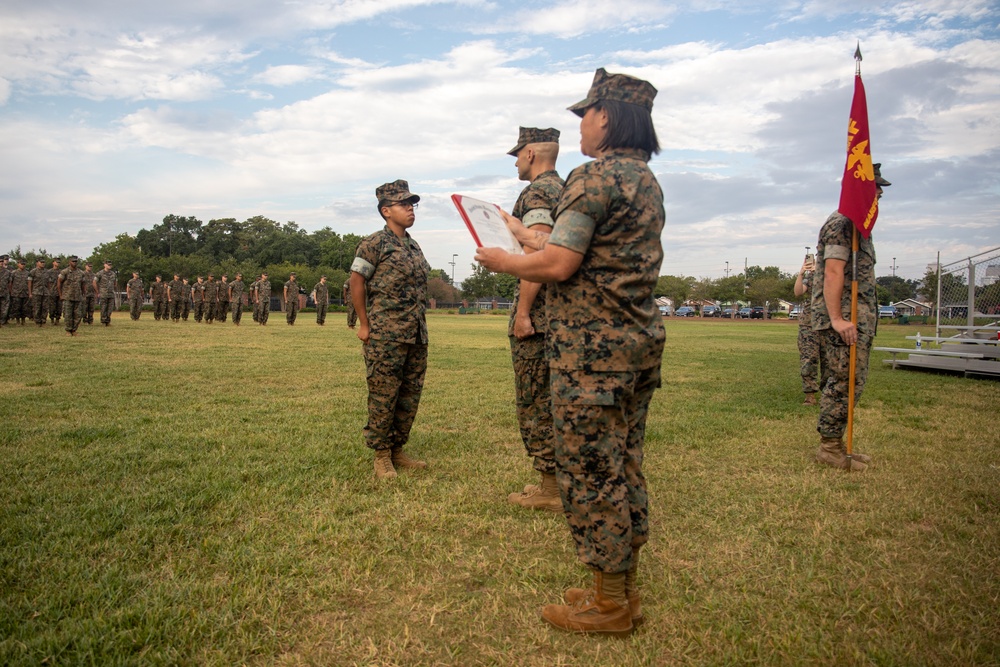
486,224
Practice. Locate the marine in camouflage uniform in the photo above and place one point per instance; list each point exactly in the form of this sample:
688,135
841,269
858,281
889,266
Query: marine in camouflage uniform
71,286
352,314
5,278
808,339
89,294
290,293
174,290
832,282
263,299
389,289
134,292
236,289
20,306
223,298
158,295
252,294
605,343
211,294
185,299
536,152
54,303
321,296
106,285
198,298
37,292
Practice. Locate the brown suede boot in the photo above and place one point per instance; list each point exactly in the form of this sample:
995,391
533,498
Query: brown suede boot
574,595
544,497
810,399
383,464
832,452
604,611
401,460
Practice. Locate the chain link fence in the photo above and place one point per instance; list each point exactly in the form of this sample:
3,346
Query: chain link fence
968,293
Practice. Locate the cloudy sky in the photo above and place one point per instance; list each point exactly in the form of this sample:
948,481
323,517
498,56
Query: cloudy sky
115,114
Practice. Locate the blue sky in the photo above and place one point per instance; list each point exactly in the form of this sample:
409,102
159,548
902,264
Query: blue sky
113,115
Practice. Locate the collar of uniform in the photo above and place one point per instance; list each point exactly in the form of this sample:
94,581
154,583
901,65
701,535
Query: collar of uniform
636,153
404,241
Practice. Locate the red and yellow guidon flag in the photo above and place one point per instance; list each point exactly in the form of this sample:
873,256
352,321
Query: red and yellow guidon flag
858,200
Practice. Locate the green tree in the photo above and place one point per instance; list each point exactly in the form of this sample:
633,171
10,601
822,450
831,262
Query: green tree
675,288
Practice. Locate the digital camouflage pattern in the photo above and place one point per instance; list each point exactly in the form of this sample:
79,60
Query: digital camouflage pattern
185,299
236,289
89,296
5,279
605,349
198,300
264,297
611,211
321,295
223,308
134,289
253,300
395,192
835,380
808,340
835,243
158,295
618,87
107,284
20,308
352,315
291,288
600,422
533,135
175,289
395,274
210,294
39,294
53,301
395,373
71,284
531,367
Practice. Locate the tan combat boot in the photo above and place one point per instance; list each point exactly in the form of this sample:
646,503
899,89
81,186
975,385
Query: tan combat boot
832,452
383,464
810,399
604,610
401,460
574,595
544,497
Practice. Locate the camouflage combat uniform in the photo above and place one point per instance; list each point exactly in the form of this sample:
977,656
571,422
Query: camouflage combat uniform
211,295
135,295
6,274
396,275
158,295
264,299
252,294
292,302
605,348
808,340
835,243
39,294
236,289
89,296
71,285
321,294
198,297
223,309
174,290
352,315
20,308
531,366
185,299
107,284
54,303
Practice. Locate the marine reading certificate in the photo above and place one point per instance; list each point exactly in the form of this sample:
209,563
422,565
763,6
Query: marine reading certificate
486,224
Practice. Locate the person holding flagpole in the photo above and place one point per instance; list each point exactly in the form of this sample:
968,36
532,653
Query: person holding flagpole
845,320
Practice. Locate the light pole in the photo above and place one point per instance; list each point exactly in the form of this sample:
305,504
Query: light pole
452,262
727,269
894,267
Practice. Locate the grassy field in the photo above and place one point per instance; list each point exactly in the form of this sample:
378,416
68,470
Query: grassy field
194,494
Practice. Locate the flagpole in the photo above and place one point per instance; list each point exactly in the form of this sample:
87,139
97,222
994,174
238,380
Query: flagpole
854,346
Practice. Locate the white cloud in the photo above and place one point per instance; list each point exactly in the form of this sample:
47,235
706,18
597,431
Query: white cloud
288,75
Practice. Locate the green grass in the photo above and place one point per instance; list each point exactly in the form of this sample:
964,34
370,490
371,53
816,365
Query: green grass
194,494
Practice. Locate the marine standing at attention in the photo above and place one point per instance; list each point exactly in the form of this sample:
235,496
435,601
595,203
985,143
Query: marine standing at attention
106,285
808,339
133,290
263,299
71,286
321,296
236,289
389,290
605,343
536,152
290,293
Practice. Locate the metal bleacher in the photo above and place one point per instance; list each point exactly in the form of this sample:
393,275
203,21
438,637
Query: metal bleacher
974,352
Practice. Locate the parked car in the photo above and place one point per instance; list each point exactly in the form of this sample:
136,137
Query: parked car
757,313
686,311
744,313
710,311
666,310
727,313
793,314
886,311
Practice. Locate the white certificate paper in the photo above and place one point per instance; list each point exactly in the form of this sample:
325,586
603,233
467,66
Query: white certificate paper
486,225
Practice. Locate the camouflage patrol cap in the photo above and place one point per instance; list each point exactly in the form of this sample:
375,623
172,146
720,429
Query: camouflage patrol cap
878,175
21,261
534,135
619,87
72,258
4,258
394,193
